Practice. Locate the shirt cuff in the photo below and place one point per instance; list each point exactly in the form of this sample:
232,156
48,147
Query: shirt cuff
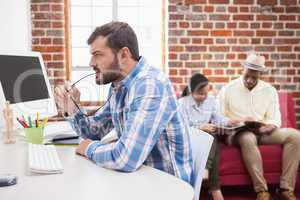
89,152
71,117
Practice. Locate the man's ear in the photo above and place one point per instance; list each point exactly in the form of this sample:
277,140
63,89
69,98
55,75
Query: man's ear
125,53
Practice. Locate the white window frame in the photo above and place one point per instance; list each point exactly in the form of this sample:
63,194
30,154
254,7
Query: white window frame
115,17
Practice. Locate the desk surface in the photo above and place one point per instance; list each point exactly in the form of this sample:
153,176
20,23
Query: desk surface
83,180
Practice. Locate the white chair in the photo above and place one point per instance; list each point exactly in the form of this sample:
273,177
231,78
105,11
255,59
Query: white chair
201,143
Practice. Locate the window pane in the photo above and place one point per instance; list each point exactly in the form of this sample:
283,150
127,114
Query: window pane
80,36
102,3
152,15
148,36
129,15
80,16
102,15
80,57
81,2
128,3
153,59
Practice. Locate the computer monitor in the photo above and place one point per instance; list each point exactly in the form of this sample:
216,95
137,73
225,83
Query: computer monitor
24,83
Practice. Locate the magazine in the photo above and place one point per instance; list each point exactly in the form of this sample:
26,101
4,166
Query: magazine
252,126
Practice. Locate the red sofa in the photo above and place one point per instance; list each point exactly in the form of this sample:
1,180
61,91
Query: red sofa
232,169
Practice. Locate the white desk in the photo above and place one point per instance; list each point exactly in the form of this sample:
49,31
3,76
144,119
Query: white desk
83,180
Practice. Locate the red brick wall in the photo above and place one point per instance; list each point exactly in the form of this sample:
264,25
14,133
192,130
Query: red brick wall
48,36
207,36
214,36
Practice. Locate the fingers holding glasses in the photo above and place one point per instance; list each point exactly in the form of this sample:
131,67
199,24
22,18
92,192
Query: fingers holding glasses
72,91
65,100
59,98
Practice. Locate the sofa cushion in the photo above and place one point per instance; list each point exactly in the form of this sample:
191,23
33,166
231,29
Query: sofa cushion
231,159
287,110
232,169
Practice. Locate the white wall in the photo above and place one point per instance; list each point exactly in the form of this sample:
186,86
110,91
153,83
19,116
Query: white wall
15,29
15,23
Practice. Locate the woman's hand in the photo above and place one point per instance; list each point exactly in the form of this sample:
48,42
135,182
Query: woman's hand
209,128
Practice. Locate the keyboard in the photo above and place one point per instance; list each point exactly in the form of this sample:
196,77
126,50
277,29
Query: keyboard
43,159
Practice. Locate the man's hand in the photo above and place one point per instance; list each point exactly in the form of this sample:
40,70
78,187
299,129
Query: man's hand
63,94
248,119
81,149
267,129
209,128
234,122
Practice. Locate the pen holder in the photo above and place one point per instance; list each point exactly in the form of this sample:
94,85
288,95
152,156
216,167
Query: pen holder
34,135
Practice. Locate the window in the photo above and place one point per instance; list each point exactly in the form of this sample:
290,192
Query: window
144,16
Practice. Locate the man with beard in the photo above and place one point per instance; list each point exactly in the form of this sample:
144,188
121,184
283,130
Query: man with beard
250,98
141,107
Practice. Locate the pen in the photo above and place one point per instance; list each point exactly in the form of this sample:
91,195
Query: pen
29,121
24,120
22,123
25,123
37,119
44,122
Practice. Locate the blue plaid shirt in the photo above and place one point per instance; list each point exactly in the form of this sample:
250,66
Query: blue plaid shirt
207,112
144,112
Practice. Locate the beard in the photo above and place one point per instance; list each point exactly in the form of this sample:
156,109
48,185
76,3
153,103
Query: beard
250,86
110,75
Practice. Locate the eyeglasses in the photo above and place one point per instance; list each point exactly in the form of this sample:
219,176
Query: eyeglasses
75,103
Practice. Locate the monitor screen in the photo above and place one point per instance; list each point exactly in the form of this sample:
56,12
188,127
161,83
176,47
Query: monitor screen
22,78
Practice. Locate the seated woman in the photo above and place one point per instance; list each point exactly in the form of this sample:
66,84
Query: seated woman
201,111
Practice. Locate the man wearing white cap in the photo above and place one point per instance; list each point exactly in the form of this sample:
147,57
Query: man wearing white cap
249,98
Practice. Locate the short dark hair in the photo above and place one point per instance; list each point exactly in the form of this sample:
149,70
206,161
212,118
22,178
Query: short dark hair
119,35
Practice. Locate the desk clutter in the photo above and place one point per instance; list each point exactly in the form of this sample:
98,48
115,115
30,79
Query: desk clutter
34,131
40,132
30,124
41,158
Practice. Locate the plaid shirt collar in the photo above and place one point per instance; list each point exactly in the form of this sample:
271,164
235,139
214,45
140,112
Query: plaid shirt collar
127,81
193,103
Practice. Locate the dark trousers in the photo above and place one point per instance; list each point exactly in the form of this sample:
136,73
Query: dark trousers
212,165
